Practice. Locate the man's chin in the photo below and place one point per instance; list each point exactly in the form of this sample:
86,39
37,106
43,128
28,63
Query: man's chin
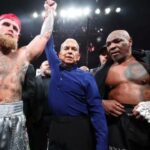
8,43
118,58
69,62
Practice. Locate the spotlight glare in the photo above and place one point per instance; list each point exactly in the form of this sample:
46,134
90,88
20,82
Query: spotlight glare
74,13
98,39
79,13
35,15
107,10
101,29
63,13
118,10
71,13
86,11
97,11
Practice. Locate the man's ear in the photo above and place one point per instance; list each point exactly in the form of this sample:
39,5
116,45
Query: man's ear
131,42
78,57
59,54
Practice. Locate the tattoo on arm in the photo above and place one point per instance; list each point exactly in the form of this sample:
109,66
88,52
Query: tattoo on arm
23,72
48,23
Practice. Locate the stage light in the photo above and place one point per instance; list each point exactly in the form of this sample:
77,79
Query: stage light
35,15
74,13
97,11
101,29
86,11
63,13
98,39
107,11
79,12
118,10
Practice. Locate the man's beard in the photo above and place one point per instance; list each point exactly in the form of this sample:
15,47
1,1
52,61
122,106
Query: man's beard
7,44
118,58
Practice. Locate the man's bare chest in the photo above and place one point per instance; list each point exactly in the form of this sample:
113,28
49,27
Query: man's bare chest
12,69
135,73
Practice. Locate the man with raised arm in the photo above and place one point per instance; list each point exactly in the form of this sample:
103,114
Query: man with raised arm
13,65
78,120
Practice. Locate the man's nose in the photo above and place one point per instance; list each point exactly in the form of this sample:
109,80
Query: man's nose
70,50
112,46
11,29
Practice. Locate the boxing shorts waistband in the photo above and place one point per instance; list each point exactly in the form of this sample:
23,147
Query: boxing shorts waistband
11,109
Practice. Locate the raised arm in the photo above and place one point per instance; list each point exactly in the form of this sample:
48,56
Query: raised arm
36,46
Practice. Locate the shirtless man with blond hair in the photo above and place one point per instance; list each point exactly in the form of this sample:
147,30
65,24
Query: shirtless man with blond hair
14,62
127,81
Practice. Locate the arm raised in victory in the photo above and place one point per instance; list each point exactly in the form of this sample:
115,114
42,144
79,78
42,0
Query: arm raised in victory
37,45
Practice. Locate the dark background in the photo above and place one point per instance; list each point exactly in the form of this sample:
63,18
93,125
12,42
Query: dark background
134,18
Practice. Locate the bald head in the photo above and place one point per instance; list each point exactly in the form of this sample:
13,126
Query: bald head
119,45
118,33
